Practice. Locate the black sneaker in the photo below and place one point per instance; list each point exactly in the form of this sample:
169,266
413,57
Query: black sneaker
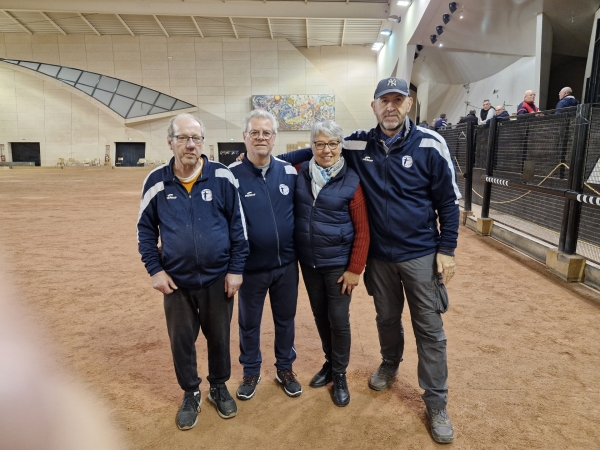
220,397
441,427
287,379
341,394
248,387
382,377
187,417
322,377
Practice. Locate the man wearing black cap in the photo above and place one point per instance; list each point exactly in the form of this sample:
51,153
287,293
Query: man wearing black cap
409,182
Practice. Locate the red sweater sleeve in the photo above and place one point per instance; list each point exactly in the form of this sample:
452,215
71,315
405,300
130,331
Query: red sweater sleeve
360,221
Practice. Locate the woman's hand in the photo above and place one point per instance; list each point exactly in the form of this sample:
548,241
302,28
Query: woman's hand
349,281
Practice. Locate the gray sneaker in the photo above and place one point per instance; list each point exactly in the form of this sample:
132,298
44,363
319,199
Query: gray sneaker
382,377
248,387
220,397
441,427
187,417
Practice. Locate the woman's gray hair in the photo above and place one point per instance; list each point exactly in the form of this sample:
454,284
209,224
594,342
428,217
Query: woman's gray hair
329,128
260,114
183,116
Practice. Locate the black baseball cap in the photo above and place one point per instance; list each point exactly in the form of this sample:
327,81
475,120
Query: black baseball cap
388,85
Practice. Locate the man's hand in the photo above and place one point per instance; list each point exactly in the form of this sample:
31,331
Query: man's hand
349,281
232,283
162,282
445,266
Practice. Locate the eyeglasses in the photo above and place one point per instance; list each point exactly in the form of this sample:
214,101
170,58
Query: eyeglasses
320,145
182,139
254,134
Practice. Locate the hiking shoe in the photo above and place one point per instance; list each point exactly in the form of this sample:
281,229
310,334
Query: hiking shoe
287,379
220,397
341,394
382,377
248,387
322,377
441,427
187,417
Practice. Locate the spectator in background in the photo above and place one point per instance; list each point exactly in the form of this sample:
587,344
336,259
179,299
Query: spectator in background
487,112
566,99
527,106
471,117
500,113
424,124
441,122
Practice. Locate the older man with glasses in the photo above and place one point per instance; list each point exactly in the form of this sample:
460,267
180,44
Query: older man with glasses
266,186
193,205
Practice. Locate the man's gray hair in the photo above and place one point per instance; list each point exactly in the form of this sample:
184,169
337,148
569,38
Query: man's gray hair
472,111
329,128
260,114
183,116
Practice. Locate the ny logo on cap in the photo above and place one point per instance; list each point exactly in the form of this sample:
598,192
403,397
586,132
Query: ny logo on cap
392,82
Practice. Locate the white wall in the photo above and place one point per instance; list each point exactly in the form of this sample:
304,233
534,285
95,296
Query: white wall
543,59
590,58
219,75
511,84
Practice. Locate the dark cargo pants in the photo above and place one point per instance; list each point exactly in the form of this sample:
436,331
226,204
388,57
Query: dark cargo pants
427,299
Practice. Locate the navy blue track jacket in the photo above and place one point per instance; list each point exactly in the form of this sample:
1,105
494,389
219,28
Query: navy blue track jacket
406,189
269,208
203,233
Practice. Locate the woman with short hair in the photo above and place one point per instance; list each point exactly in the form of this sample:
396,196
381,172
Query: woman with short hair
332,239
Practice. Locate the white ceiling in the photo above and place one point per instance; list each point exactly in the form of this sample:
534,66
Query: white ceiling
494,34
304,23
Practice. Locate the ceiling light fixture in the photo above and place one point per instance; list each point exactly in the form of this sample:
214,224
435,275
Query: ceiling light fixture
419,47
394,18
377,46
404,2
446,18
433,38
441,44
452,7
439,29
385,32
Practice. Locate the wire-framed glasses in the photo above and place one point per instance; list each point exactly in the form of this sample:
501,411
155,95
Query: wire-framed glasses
182,139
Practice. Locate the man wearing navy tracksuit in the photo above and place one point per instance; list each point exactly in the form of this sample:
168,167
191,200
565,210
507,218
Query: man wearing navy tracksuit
192,204
409,182
266,187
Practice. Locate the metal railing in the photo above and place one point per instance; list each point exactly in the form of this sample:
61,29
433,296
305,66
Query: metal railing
538,173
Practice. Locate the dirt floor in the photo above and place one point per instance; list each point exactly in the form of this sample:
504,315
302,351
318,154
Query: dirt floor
523,345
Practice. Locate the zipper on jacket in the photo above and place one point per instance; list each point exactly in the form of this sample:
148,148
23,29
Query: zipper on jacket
274,221
194,233
310,234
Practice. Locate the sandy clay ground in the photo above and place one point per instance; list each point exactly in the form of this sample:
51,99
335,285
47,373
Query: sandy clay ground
523,345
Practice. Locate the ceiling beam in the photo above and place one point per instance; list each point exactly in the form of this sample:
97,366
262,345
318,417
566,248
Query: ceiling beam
125,25
17,22
343,33
242,8
270,29
160,25
307,46
233,26
89,24
45,16
197,26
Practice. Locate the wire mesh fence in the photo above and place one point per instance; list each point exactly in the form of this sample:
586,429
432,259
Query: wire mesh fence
537,149
588,244
456,139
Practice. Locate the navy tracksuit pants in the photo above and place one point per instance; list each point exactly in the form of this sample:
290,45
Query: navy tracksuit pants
282,286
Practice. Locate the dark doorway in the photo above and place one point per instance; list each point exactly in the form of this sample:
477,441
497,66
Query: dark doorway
229,151
131,152
26,152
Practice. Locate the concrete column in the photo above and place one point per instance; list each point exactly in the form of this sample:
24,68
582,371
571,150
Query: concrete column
543,58
423,99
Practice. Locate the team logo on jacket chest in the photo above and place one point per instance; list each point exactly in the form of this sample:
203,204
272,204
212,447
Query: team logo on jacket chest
284,189
206,195
407,161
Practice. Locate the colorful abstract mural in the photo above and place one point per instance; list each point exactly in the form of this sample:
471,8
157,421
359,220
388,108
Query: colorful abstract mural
297,112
